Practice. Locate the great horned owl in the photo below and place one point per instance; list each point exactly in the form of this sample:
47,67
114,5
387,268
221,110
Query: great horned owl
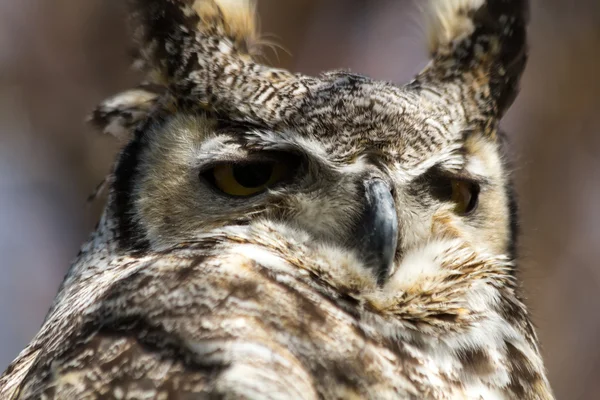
271,235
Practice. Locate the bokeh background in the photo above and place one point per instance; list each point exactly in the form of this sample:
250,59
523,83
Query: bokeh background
59,58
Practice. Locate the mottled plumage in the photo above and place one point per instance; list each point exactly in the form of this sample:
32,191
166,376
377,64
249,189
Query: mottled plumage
373,259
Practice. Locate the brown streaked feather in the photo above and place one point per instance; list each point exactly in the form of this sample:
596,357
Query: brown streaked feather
191,320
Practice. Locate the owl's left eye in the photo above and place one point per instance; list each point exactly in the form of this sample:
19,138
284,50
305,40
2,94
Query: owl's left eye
248,178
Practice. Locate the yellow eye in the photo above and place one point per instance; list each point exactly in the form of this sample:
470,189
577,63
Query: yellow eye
249,178
465,195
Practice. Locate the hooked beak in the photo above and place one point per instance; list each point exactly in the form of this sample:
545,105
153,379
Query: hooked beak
377,231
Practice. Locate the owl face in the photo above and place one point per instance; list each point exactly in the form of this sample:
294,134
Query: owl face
363,167
371,177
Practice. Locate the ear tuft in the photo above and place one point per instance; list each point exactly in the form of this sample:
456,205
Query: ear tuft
482,46
169,32
237,19
449,21
202,53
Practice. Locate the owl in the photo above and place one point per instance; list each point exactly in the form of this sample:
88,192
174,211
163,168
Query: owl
271,235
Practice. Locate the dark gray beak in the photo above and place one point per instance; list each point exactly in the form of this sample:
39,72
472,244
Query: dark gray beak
377,230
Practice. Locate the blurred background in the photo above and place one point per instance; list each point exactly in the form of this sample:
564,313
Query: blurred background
59,58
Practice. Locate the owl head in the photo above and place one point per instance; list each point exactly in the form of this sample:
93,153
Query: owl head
380,172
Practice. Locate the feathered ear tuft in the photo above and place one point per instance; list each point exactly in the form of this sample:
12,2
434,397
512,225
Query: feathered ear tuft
449,21
203,54
184,48
482,44
237,18
169,32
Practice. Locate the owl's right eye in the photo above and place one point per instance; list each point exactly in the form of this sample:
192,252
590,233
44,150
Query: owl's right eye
245,179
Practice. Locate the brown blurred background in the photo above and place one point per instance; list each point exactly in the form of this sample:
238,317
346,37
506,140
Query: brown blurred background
59,58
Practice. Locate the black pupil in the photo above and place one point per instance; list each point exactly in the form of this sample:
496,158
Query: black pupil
253,175
474,190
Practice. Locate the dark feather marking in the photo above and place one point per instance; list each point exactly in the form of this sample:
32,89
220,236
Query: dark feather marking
476,361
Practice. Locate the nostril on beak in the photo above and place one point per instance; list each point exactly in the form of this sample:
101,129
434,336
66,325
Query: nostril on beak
377,232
